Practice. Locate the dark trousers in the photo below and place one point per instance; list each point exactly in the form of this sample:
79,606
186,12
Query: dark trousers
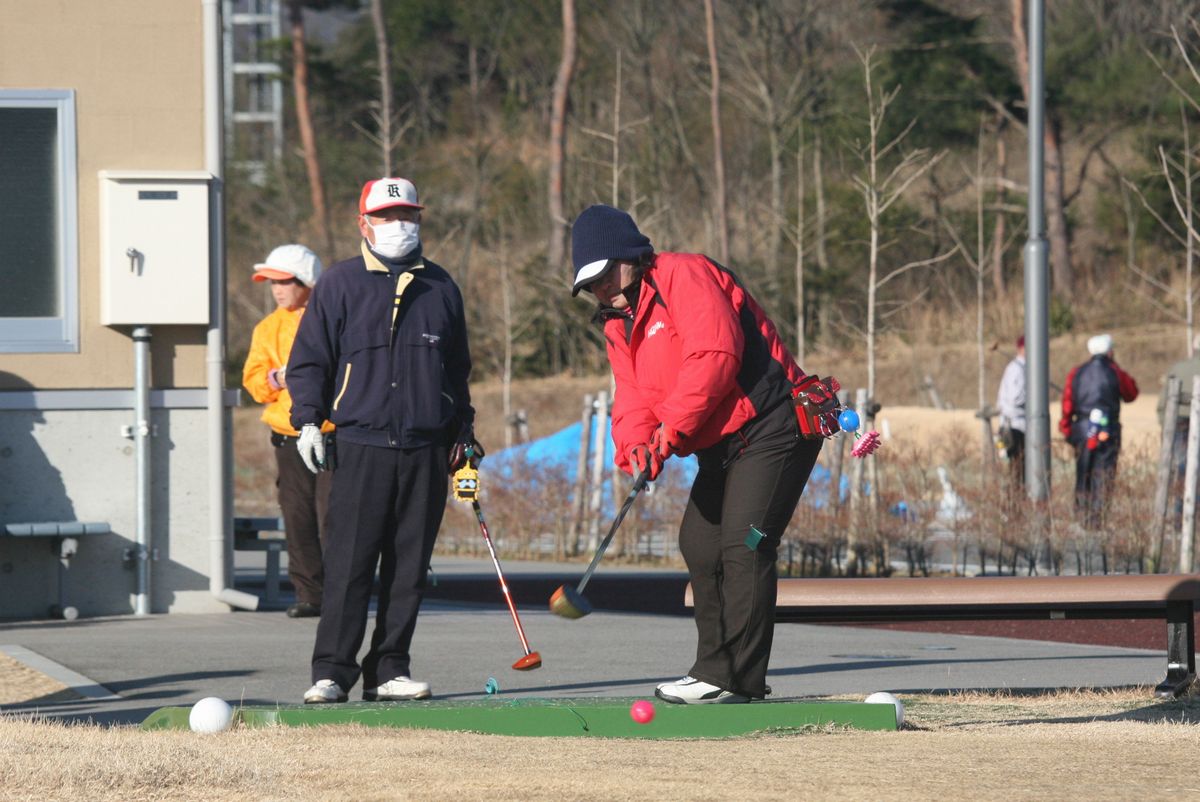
384,510
1016,456
752,479
1095,471
303,502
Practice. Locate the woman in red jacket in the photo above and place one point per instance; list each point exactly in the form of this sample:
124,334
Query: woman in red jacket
700,369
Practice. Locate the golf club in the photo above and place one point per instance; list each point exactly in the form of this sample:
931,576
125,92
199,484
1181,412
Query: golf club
466,488
570,602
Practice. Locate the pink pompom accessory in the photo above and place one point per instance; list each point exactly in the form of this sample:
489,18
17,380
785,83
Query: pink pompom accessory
866,445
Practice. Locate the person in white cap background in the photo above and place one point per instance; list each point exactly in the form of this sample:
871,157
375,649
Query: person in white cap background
382,352
1091,422
700,369
292,271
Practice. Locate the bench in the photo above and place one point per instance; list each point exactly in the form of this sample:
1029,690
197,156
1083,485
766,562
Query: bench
1143,596
263,534
64,544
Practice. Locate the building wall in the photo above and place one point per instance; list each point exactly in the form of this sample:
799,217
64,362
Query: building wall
137,70
75,465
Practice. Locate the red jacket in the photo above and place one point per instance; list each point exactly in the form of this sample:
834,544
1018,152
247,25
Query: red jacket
698,354
1099,382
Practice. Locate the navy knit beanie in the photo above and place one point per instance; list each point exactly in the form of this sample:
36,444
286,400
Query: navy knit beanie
602,234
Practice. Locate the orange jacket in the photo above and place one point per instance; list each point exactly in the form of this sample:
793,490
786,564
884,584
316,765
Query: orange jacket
269,350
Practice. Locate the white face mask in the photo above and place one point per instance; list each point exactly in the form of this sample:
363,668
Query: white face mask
395,238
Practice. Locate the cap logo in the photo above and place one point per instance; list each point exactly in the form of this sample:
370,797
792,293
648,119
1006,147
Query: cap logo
393,191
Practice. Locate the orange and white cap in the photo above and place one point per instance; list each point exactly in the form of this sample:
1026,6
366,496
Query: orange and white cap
290,261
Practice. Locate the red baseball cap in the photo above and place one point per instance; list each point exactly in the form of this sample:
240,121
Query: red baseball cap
384,193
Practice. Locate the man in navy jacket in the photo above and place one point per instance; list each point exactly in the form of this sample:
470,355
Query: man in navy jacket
382,353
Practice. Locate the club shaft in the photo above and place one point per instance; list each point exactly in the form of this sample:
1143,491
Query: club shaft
587,575
512,608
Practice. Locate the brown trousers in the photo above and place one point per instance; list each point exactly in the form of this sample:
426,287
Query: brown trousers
304,502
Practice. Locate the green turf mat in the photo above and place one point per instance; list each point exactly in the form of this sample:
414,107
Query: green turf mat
599,717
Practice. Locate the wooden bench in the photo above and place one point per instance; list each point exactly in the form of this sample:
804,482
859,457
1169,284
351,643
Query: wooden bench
263,534
1143,596
64,544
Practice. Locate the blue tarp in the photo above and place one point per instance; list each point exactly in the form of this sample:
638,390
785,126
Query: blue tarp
559,453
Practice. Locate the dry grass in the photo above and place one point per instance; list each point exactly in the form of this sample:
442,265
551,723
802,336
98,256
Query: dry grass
20,684
1090,745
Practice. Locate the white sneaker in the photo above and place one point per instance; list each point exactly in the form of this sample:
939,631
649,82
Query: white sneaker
400,689
691,691
324,692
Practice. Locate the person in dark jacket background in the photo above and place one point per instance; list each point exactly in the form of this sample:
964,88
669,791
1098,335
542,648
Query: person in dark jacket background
382,353
1091,422
701,369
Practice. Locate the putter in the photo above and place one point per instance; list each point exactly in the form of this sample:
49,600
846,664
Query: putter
570,602
466,488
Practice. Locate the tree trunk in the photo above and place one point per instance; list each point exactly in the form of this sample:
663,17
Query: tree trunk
385,84
1057,230
558,139
308,141
777,214
819,200
800,244
718,149
999,283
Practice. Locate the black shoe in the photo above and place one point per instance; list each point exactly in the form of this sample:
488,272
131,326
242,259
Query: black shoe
304,610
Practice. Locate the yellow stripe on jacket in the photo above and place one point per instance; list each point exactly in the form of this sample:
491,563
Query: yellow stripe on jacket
269,349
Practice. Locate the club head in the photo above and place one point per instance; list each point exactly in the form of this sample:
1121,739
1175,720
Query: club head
569,603
529,662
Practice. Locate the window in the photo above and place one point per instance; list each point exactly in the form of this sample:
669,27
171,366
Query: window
39,275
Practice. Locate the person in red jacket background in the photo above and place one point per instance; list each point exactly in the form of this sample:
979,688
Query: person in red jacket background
1091,422
700,369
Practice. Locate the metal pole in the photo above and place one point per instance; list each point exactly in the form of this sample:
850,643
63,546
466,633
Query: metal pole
220,438
141,440
1037,279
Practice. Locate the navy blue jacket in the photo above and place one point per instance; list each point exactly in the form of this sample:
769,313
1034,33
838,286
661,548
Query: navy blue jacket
383,355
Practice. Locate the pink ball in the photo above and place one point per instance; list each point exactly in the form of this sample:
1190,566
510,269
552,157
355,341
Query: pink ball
642,711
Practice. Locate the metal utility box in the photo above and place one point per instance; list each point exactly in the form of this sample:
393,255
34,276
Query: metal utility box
154,247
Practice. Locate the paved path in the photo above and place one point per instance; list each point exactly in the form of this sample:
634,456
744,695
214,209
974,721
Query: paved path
262,657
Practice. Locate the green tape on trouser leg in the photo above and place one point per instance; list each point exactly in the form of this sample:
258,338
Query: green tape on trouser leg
754,538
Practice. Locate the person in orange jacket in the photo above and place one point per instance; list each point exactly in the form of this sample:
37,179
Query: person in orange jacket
303,497
701,369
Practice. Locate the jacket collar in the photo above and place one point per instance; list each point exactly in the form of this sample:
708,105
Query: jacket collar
373,262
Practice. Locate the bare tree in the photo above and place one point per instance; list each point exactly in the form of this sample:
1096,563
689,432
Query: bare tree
800,221
978,264
881,187
308,140
613,137
714,102
1180,173
385,83
558,138
772,89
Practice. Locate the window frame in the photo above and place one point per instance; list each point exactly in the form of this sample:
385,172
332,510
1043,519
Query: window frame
60,333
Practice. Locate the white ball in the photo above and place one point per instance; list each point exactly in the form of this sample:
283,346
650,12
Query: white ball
210,714
885,698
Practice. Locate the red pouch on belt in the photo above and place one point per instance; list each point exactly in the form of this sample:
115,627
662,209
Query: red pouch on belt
817,406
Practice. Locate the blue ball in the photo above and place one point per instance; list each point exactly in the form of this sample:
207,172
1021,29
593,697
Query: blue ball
848,420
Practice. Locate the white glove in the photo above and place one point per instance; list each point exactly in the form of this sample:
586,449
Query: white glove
311,446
